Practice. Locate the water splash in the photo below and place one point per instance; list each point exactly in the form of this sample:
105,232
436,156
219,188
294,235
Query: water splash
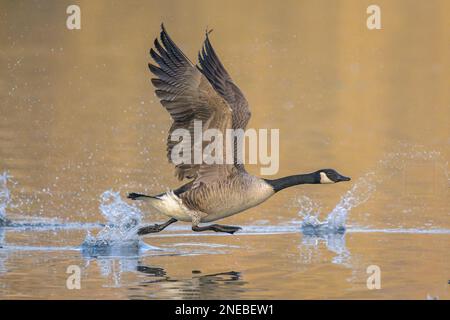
336,219
391,164
117,212
120,229
357,195
335,222
334,242
5,197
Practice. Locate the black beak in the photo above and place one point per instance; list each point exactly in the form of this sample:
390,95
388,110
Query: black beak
343,178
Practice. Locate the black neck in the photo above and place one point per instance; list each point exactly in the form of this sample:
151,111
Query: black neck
286,182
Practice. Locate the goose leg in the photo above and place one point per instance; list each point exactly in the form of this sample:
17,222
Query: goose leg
217,228
156,227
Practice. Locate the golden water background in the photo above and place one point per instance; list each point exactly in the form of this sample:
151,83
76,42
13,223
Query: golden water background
78,116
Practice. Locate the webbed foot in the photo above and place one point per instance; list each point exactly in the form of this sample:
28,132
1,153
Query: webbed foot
217,228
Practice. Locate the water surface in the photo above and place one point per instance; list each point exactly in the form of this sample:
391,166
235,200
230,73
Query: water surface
80,127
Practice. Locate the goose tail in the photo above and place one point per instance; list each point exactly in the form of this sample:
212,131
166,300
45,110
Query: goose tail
139,196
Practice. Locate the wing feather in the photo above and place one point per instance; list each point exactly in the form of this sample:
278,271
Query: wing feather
215,72
188,96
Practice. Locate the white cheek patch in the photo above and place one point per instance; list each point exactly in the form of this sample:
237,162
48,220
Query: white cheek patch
324,178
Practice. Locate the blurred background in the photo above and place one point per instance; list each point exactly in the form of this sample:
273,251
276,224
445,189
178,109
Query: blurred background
78,114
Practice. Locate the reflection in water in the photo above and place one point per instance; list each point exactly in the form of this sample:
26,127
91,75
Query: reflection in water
114,262
3,259
115,268
151,271
125,249
221,285
334,242
3,255
116,258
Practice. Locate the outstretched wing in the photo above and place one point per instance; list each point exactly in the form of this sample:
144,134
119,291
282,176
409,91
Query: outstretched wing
219,78
188,96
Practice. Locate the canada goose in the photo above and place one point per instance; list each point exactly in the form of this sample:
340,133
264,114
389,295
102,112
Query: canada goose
206,92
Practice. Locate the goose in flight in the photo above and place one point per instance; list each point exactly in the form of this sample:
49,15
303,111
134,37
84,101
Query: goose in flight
206,92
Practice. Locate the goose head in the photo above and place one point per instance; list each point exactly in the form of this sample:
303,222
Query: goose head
331,176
